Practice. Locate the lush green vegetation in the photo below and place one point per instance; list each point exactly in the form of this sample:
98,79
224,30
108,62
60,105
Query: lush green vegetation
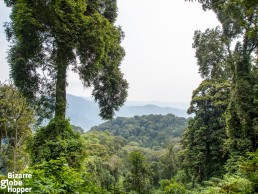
123,165
153,131
213,152
100,162
16,119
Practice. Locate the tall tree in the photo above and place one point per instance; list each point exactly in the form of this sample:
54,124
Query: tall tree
203,140
48,37
239,24
139,179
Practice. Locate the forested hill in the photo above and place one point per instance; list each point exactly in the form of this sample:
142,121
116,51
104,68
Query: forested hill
147,130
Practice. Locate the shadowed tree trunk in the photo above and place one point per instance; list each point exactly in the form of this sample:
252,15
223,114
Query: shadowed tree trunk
62,64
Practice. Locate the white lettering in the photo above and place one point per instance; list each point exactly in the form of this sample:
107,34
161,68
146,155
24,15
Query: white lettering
3,184
14,185
16,176
10,189
10,175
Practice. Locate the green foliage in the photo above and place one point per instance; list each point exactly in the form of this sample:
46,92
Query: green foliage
55,176
229,184
108,162
138,180
238,19
49,37
241,112
148,130
212,54
172,187
170,161
249,168
108,155
55,140
203,153
103,159
16,119
224,104
244,179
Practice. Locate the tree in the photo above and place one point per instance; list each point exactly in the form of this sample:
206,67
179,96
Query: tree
57,139
138,180
239,24
172,187
213,56
244,180
203,140
16,119
48,37
103,160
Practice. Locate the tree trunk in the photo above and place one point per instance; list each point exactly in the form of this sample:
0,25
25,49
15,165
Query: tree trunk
62,64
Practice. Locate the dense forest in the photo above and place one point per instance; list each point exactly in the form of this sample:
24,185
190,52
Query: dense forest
213,152
148,131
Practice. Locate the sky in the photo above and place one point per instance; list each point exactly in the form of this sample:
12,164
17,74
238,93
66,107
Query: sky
159,64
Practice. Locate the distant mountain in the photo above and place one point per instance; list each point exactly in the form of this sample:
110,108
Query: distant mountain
84,112
130,111
177,105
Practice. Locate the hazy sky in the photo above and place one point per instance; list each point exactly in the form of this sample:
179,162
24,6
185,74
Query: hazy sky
159,63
